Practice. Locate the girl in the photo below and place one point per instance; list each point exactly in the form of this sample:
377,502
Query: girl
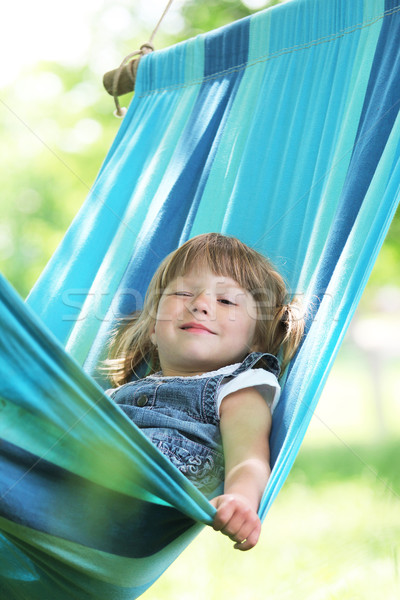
214,318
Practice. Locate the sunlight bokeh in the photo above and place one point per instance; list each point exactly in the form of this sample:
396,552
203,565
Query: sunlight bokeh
64,33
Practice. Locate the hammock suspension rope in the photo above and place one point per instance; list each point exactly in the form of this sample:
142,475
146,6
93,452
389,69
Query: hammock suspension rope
122,80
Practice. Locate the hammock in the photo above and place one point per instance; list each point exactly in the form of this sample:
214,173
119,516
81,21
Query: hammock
281,129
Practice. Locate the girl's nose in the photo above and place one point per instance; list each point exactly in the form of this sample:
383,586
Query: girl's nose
201,303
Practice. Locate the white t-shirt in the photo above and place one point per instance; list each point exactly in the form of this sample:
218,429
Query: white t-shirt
264,381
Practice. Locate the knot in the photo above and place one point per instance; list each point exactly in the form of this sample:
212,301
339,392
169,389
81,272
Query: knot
122,80
146,48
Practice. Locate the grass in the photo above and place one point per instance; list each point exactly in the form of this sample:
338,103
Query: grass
333,533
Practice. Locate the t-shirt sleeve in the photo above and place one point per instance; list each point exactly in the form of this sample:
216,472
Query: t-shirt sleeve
265,382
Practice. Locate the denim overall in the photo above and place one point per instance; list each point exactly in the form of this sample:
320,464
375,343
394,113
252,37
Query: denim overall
181,418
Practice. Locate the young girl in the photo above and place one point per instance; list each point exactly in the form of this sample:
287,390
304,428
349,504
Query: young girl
214,318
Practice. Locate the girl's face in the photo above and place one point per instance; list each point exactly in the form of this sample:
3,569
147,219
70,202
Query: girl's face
204,321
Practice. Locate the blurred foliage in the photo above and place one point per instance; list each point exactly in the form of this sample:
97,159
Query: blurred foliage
340,463
211,14
57,125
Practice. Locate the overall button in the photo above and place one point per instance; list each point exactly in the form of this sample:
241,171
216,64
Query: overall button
142,400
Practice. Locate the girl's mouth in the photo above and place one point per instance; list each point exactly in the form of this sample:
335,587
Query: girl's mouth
196,328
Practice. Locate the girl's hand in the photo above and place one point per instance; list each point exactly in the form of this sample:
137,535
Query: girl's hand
236,519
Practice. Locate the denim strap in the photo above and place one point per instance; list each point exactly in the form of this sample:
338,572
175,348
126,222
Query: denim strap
269,363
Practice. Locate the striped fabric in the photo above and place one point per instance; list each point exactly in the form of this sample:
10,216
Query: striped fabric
281,129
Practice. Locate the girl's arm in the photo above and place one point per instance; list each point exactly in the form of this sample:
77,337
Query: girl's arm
245,428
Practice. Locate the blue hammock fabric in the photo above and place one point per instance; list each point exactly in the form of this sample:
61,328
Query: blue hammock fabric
281,129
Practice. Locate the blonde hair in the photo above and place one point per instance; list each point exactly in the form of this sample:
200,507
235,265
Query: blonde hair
279,327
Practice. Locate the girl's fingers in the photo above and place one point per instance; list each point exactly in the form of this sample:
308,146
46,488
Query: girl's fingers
239,529
249,541
225,512
240,523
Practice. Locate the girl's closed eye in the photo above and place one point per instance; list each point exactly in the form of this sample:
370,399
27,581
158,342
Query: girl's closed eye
181,293
226,301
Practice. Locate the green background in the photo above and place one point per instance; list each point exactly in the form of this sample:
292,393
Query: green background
333,531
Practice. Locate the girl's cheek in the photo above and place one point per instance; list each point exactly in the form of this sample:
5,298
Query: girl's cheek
166,308
163,315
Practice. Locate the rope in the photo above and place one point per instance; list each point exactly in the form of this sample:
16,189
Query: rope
145,48
160,20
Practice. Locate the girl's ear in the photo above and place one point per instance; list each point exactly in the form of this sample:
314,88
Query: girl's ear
153,338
